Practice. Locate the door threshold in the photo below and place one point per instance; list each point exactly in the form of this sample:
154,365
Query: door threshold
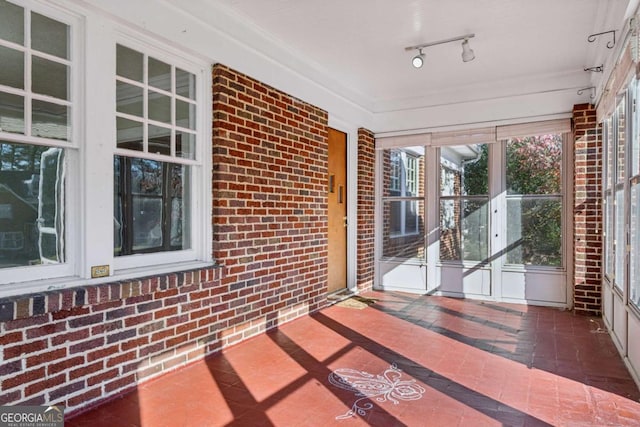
340,295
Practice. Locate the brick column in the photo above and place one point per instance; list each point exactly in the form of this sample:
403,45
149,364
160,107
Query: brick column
366,209
587,226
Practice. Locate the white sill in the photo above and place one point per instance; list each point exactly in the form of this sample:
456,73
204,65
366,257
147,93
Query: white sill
46,285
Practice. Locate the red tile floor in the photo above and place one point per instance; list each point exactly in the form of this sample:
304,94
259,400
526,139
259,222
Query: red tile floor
405,360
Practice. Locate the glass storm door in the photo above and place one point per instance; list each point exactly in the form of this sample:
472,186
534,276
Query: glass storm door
533,241
403,259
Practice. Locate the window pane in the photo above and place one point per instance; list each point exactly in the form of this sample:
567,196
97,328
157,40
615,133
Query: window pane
159,107
464,170
50,78
185,145
534,165
12,69
620,242
159,140
609,234
475,230
534,231
118,205
151,206
129,134
403,231
404,172
185,114
11,113
621,119
129,99
49,36
180,217
129,63
635,142
611,154
634,258
463,230
159,74
450,236
24,239
185,84
147,222
50,120
11,22
146,190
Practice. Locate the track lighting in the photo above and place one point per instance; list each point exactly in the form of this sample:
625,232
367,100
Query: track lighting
467,52
418,60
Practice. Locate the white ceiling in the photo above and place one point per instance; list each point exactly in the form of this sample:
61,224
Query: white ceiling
355,48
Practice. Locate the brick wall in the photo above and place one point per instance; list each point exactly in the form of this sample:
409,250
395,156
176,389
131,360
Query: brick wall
270,162
78,346
587,211
366,209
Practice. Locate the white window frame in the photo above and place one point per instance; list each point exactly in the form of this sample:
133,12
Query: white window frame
89,159
200,192
406,183
12,277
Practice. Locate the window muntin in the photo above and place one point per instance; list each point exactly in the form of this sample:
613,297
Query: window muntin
464,202
156,131
155,106
35,134
35,77
534,200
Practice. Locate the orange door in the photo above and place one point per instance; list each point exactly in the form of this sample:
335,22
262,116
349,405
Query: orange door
337,188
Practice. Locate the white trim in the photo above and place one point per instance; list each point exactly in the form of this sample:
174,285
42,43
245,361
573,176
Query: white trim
535,128
420,140
464,137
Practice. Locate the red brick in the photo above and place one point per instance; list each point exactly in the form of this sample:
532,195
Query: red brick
24,378
102,377
17,350
65,365
120,383
84,370
11,338
48,357
44,384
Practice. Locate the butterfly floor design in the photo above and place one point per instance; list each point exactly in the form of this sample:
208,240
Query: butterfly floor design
388,386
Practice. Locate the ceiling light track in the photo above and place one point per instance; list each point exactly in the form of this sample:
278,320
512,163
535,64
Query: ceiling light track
467,52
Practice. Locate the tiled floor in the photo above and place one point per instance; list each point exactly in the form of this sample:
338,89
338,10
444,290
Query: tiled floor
403,361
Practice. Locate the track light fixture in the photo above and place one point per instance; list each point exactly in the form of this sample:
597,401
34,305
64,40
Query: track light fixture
418,60
467,52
